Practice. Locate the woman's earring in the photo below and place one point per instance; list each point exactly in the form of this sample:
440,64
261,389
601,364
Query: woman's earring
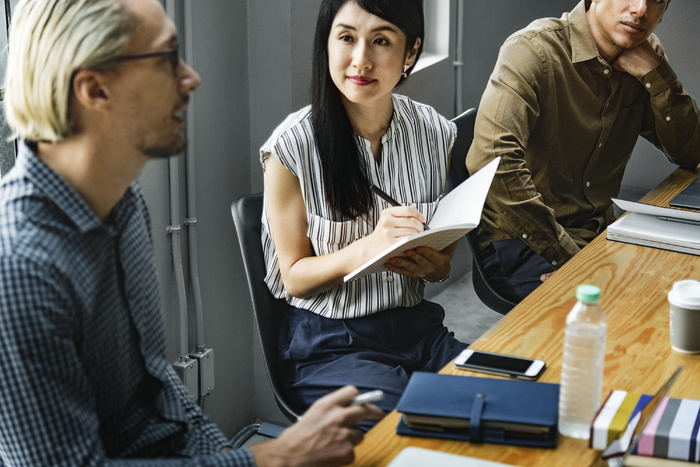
405,71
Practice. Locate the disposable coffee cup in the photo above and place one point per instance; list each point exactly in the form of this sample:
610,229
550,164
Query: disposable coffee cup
684,301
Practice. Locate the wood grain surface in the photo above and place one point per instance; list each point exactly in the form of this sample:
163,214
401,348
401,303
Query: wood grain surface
634,281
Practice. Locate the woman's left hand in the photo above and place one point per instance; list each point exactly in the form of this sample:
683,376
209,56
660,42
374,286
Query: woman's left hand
423,262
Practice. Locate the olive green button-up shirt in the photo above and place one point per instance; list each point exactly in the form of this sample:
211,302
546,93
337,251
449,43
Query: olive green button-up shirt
564,123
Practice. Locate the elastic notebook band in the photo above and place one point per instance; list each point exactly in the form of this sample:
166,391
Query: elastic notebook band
475,433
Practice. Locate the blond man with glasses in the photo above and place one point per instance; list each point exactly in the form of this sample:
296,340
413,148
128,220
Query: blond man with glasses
95,89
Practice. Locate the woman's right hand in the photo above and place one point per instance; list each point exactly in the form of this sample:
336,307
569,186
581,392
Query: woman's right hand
394,223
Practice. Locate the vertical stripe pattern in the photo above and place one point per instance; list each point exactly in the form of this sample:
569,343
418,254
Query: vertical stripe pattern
672,431
413,170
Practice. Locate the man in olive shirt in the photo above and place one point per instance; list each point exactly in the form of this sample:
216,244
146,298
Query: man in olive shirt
564,107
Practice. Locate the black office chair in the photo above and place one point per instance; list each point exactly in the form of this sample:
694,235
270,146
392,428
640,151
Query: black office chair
268,310
458,173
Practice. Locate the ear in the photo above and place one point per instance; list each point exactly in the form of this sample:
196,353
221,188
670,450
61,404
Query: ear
412,53
91,89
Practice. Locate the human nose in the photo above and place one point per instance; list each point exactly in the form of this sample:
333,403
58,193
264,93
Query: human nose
360,56
189,78
639,7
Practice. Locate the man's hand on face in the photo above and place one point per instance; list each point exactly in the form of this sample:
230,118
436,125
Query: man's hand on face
324,436
638,61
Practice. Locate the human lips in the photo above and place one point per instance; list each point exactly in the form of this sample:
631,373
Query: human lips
178,115
632,26
361,80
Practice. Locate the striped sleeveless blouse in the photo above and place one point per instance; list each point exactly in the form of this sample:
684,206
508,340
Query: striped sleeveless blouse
415,153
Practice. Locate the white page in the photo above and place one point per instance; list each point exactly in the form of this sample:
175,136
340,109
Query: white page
657,211
464,204
419,457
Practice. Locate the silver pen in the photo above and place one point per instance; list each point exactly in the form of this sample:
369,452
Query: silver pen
679,220
368,397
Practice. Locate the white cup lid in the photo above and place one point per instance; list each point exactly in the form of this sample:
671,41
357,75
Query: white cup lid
686,294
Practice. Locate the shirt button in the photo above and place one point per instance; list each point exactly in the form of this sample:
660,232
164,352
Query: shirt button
648,85
668,119
524,235
390,279
554,263
588,184
606,71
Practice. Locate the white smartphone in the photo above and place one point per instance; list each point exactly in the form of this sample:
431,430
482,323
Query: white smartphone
499,364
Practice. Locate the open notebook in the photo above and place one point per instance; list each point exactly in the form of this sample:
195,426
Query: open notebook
457,214
657,227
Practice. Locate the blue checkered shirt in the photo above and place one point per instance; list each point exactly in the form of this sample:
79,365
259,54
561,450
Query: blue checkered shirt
83,374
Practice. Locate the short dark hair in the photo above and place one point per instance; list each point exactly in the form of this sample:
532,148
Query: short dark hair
344,172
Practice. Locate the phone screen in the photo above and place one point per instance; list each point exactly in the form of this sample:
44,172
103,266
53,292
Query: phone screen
488,362
516,365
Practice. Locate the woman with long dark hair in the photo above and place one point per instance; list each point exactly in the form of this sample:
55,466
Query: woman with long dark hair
321,219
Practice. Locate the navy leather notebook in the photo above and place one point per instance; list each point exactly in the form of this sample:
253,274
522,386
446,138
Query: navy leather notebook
688,198
490,410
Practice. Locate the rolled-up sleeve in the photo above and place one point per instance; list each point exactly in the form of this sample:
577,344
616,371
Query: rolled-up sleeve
676,119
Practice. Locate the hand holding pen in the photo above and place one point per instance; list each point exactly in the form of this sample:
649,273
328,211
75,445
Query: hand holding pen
377,191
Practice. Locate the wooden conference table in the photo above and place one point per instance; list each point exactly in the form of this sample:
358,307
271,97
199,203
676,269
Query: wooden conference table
634,281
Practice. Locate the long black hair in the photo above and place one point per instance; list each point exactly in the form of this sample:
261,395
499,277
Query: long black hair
344,172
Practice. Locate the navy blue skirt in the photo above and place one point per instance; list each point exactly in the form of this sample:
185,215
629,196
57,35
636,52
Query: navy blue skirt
379,351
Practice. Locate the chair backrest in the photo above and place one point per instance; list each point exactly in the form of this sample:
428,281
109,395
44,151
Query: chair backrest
465,134
268,310
458,173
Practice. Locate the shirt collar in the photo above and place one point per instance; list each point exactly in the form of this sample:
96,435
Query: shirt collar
392,123
390,131
50,186
583,46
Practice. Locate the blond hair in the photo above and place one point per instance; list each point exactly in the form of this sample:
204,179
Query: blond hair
51,40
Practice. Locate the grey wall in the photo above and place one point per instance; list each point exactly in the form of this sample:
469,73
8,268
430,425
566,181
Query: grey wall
221,146
488,24
679,34
280,43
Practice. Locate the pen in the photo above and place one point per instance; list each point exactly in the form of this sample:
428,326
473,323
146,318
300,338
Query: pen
679,220
377,191
366,398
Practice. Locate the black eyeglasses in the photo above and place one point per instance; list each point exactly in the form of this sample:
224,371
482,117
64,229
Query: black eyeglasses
173,56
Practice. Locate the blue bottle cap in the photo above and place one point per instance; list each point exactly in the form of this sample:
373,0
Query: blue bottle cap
588,293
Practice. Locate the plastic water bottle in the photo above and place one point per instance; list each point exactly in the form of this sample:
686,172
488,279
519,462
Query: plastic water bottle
582,368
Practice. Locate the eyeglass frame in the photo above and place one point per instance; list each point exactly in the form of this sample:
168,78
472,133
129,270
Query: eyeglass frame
173,54
662,3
